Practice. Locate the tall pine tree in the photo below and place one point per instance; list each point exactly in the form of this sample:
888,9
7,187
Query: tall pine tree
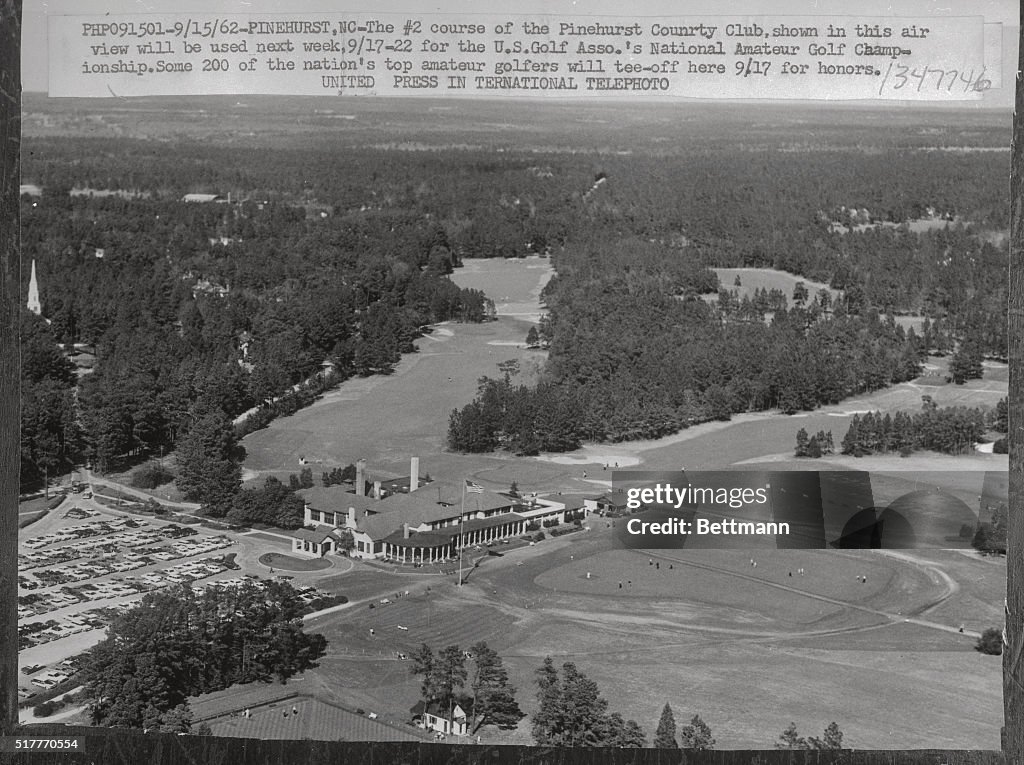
697,735
494,697
665,735
572,712
207,457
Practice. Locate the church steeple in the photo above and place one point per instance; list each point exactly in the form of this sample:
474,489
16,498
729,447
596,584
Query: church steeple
33,292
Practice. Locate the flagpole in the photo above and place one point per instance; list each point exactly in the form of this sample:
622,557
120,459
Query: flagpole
462,525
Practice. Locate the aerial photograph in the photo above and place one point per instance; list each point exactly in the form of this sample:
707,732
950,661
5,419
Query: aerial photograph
330,409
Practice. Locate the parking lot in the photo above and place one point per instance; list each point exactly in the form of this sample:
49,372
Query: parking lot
82,565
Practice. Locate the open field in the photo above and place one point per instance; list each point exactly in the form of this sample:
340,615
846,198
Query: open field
748,648
387,418
513,285
753,279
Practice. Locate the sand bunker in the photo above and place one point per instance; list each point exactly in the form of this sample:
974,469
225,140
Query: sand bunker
592,456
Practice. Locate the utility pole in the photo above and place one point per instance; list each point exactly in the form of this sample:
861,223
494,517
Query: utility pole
462,526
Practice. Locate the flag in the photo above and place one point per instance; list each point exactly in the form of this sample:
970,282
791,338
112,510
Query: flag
475,488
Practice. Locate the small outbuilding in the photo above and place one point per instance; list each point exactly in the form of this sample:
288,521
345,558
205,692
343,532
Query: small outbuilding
432,717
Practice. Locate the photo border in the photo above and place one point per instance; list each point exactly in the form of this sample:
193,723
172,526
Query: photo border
10,280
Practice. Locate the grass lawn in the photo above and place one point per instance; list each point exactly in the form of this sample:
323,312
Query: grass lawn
39,504
27,519
750,649
291,563
753,279
513,285
387,419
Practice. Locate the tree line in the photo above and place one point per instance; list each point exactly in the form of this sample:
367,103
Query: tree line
237,303
571,710
627,361
50,432
181,323
951,430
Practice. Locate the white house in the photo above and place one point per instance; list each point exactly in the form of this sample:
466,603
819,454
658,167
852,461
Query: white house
432,717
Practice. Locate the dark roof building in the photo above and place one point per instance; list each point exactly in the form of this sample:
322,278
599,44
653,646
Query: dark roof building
407,520
428,525
612,501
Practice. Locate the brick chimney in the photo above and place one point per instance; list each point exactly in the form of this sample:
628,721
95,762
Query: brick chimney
405,531
414,473
361,478
351,523
376,490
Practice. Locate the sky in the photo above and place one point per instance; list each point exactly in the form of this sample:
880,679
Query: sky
1007,12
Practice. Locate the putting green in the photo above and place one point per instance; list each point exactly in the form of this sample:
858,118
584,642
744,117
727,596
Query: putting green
291,563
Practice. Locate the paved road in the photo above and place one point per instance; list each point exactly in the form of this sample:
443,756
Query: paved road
96,480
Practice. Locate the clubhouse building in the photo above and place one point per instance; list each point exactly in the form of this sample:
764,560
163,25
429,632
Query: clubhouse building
416,523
